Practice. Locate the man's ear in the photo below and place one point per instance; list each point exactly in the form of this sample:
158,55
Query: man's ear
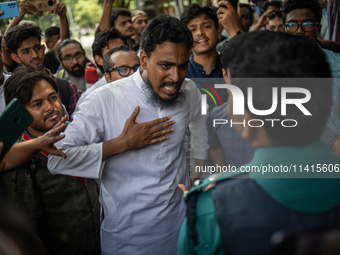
249,133
99,60
44,47
107,78
319,28
226,75
14,56
143,59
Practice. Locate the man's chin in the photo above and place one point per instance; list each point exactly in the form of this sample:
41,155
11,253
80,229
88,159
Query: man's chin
77,73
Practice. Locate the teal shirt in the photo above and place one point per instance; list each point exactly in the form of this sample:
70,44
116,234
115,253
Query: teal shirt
317,192
334,62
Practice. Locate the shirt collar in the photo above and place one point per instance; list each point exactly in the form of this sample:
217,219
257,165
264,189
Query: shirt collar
200,67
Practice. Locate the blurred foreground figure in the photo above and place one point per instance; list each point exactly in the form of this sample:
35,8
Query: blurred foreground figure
240,214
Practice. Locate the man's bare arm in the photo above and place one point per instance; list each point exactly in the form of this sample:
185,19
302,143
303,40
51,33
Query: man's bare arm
137,135
229,18
105,20
23,152
60,10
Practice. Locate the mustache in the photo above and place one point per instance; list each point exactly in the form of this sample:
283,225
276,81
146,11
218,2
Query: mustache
77,65
169,83
50,113
36,59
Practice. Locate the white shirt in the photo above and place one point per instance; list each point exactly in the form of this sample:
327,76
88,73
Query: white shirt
95,86
142,206
2,94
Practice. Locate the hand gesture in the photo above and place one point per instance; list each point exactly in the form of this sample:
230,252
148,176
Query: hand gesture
59,9
25,7
46,142
138,135
1,12
229,18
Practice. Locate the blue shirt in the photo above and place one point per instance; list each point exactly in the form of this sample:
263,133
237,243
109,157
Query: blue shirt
195,70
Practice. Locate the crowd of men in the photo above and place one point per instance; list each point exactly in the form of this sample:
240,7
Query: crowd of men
114,145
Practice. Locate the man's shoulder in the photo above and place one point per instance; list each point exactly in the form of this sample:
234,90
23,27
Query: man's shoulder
219,112
330,55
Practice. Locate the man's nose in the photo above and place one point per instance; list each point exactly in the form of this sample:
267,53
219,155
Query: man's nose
174,76
300,30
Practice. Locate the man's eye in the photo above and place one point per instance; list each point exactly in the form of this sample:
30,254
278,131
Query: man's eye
165,66
37,105
193,30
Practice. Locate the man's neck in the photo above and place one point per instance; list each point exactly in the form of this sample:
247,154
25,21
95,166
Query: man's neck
137,37
34,133
130,42
207,60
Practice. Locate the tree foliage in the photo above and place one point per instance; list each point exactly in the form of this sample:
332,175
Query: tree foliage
87,13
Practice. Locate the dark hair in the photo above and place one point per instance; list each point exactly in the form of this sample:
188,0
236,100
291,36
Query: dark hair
118,12
108,64
19,33
280,55
277,4
251,11
51,31
194,10
276,13
21,83
291,5
101,41
67,42
165,28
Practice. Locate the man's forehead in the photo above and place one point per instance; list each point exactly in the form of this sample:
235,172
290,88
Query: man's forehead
27,42
200,19
69,48
301,15
40,89
141,17
122,57
122,18
171,52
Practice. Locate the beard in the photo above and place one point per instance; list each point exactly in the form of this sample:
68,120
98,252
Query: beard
76,73
172,103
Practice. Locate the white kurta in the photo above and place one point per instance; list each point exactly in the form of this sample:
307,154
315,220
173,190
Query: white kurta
142,206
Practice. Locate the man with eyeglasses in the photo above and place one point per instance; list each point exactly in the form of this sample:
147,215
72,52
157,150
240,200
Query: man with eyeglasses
71,56
120,62
303,17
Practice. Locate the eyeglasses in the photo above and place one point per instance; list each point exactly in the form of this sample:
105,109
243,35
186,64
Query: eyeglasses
69,59
306,26
124,71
